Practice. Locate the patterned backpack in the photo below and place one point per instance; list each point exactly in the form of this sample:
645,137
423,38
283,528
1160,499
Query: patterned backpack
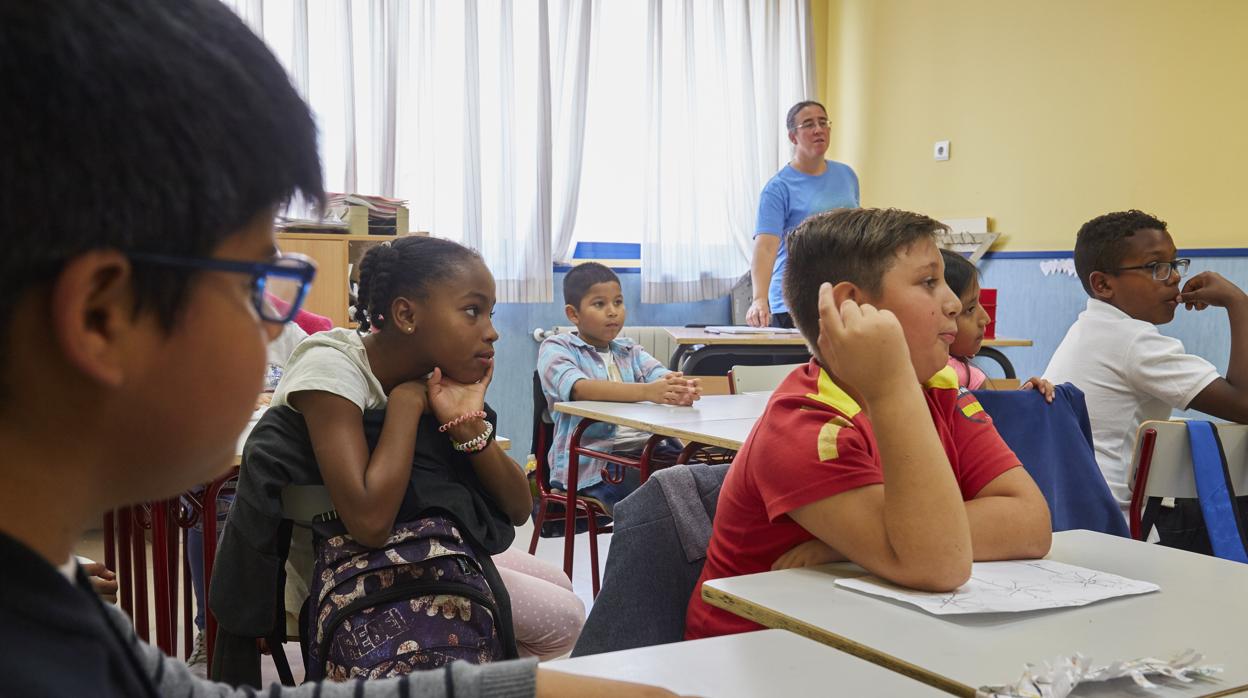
419,602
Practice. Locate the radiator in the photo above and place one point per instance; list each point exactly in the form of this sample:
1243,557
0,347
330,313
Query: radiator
655,340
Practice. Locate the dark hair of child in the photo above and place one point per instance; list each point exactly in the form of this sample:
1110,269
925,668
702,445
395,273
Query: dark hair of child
959,272
857,245
1101,243
194,129
581,278
409,265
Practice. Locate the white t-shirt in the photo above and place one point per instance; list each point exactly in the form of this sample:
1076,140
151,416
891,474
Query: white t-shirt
333,361
1129,373
279,352
626,438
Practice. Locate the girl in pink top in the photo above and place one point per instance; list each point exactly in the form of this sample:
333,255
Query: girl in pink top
963,279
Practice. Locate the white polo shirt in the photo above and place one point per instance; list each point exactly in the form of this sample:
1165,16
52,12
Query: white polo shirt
1129,373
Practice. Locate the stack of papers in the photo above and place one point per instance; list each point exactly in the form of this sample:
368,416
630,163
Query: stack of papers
381,209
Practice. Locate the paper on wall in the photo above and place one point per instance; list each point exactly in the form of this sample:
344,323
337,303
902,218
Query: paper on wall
1011,587
1065,266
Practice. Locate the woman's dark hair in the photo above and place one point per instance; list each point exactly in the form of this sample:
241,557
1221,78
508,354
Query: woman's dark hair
790,120
407,266
959,272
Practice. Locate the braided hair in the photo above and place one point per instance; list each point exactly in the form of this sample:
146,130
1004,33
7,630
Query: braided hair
407,265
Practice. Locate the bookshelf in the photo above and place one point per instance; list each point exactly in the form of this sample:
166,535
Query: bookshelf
337,259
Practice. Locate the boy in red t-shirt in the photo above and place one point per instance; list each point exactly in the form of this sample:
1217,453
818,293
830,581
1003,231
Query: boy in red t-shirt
871,453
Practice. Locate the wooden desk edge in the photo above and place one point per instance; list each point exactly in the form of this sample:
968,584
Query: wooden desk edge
771,619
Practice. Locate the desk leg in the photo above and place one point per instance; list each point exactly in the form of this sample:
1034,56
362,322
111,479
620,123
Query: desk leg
995,355
569,518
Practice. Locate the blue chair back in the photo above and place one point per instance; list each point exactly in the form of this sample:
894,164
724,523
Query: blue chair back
1054,443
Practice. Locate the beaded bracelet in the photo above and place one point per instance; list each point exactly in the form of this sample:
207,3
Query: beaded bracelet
476,444
478,414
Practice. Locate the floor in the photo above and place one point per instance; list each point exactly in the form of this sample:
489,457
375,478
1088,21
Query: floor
548,549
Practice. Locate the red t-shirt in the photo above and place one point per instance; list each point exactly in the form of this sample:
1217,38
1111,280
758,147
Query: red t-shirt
812,442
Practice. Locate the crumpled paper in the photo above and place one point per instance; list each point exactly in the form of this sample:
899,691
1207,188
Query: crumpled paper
1058,677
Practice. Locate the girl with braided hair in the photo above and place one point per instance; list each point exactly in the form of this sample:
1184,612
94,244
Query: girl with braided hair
424,352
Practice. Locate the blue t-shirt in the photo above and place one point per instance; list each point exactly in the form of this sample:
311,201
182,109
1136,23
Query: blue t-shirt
788,199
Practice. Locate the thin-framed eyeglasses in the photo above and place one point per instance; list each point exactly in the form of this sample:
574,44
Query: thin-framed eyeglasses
278,288
1161,270
812,123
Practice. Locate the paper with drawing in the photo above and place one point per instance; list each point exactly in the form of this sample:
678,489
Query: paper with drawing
1008,587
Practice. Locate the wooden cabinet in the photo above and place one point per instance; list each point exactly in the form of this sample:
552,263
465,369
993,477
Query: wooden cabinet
337,259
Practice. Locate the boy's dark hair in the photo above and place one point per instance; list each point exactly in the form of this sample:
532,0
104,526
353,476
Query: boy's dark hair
407,266
790,119
857,245
1102,242
159,126
582,277
959,272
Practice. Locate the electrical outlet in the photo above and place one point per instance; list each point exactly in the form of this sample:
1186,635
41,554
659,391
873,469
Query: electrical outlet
941,150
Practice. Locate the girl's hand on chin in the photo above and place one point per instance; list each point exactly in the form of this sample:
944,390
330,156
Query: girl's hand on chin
449,398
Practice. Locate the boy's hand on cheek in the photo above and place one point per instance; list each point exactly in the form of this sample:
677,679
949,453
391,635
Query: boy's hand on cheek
1210,288
863,345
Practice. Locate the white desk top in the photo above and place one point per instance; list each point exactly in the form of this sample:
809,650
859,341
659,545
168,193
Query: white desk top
647,415
724,433
1203,604
749,665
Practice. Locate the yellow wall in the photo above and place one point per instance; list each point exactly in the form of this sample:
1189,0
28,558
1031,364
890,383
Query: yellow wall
1058,110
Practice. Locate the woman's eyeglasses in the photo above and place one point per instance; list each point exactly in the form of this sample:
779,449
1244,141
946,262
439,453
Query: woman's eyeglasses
812,123
278,288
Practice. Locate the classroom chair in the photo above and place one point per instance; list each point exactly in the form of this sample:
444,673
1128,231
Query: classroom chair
1054,443
1164,466
657,553
552,504
125,534
753,379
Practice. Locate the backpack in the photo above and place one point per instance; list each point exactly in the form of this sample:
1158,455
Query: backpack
419,602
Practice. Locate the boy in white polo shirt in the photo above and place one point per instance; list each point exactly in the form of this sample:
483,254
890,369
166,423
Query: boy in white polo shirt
1128,371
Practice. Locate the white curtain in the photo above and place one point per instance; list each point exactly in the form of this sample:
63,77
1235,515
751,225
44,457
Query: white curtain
718,79
472,110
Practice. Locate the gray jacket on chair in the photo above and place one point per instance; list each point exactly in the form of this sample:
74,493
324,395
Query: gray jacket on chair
657,552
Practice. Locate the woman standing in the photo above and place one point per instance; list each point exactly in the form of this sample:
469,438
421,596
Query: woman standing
809,184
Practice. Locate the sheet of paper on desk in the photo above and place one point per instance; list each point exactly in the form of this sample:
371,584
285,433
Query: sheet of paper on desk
737,329
1009,587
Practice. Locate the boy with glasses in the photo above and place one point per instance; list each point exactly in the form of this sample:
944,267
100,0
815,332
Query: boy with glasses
1129,371
147,145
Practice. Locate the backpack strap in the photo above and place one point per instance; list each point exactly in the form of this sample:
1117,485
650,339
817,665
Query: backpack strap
693,524
1216,493
277,634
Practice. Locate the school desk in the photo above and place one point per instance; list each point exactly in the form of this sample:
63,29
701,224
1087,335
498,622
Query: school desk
695,344
748,665
1202,605
715,420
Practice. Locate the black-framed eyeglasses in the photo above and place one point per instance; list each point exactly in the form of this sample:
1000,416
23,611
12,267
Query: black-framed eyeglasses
1161,270
278,288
